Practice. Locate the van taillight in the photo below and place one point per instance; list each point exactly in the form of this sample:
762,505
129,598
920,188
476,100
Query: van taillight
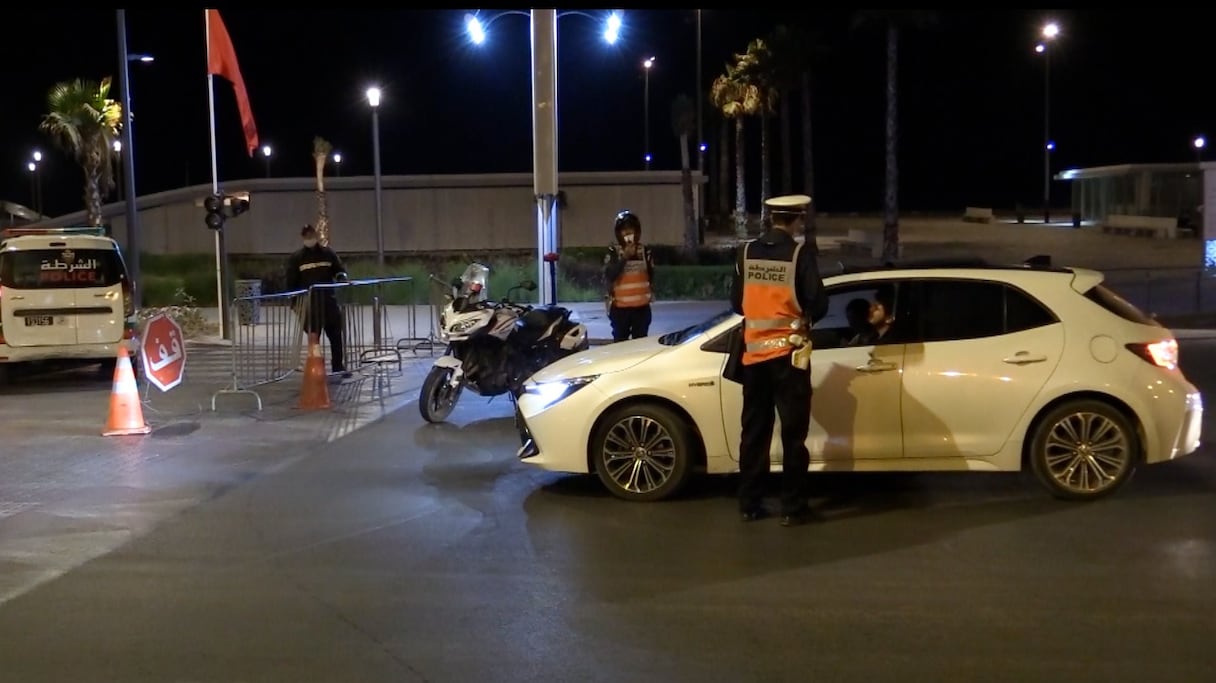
128,299
1163,354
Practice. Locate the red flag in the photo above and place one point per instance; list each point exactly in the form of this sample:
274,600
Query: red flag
221,61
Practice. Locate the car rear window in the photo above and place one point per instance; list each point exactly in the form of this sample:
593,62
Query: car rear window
1106,298
60,268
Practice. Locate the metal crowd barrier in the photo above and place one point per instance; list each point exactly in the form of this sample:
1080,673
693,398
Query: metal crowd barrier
269,331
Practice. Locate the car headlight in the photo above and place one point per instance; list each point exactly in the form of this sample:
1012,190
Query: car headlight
551,392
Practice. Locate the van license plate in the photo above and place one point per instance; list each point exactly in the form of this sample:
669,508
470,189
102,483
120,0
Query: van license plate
38,321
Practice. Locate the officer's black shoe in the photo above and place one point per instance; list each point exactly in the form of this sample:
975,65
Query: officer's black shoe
797,518
753,514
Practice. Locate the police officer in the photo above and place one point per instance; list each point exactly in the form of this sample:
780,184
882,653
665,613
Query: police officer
315,264
629,278
778,291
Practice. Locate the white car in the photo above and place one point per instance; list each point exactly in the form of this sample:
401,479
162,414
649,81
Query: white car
986,368
65,295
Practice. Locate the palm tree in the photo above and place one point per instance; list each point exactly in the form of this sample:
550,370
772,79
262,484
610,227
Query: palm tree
736,100
83,120
756,68
320,156
795,53
894,21
684,125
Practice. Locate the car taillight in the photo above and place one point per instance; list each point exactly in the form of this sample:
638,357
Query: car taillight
1163,354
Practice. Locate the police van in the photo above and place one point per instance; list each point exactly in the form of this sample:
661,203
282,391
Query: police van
65,295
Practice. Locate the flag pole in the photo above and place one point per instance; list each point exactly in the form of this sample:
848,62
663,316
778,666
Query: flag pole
221,251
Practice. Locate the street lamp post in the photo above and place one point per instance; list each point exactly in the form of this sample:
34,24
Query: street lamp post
544,126
33,169
1050,31
1199,143
126,149
373,99
646,66
266,152
118,165
36,169
338,164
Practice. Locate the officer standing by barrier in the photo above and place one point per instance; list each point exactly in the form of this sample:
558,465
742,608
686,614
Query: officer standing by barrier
629,277
315,264
779,292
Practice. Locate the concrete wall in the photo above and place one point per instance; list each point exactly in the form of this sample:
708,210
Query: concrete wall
421,213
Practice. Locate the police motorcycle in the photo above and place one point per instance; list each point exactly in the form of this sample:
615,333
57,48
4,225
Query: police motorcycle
493,346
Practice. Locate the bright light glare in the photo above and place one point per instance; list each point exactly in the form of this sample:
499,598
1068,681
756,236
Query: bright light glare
1051,146
647,158
1200,142
613,30
648,63
1040,48
373,96
118,145
704,146
477,32
147,58
266,150
1051,30
37,155
337,157
32,167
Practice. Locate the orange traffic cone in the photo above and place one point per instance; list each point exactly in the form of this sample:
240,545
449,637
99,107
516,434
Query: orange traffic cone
126,414
314,395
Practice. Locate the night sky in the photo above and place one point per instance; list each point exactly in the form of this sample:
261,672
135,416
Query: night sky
1126,87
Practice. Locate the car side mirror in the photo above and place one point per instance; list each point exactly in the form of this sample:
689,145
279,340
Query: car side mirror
528,285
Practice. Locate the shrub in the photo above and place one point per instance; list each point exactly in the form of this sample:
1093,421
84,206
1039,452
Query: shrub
185,312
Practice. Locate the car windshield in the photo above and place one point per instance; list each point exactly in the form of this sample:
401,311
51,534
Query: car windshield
692,331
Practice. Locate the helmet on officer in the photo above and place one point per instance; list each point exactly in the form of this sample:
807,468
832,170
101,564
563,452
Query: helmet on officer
627,221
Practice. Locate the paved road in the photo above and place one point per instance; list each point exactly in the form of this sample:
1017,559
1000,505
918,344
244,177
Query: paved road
411,552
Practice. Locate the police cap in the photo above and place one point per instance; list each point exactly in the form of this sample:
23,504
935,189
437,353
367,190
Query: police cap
790,203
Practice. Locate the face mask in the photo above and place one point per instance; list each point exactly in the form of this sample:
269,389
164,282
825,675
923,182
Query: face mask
310,243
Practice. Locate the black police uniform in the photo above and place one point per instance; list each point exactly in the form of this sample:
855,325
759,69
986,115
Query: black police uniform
319,265
776,385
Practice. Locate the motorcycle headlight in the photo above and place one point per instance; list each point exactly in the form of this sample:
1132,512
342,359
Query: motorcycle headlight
552,392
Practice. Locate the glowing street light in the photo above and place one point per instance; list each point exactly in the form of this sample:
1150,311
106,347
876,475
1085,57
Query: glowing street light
373,100
1199,143
647,65
613,30
266,152
338,163
32,166
1050,31
37,155
544,121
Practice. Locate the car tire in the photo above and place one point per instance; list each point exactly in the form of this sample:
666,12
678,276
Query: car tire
1083,450
642,452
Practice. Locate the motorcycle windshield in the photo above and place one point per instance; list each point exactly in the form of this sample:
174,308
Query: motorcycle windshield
475,282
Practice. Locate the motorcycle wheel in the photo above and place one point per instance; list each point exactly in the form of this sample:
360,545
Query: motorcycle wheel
438,398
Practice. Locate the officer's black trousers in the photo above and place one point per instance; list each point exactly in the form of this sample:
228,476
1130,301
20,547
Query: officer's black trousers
771,388
324,313
629,323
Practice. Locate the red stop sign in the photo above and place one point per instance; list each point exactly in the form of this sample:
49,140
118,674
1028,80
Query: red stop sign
163,352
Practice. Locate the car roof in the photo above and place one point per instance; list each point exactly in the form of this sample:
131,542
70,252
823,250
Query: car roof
967,268
23,242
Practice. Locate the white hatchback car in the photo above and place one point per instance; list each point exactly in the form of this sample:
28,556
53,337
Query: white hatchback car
985,369
65,295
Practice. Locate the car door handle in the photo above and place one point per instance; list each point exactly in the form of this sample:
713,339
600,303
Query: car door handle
876,366
1024,358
